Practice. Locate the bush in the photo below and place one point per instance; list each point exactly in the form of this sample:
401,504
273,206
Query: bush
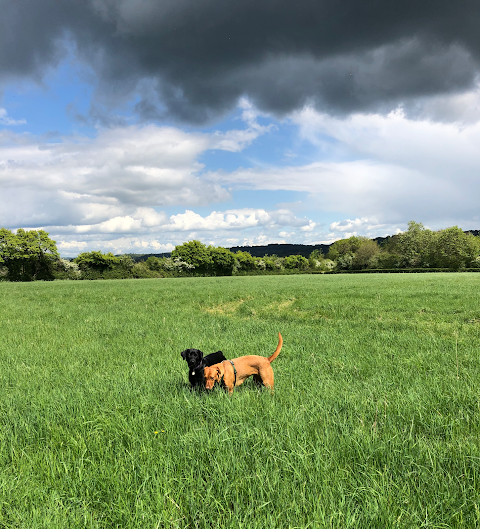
271,262
3,273
154,263
65,269
116,273
345,261
475,263
296,262
403,271
326,265
176,266
98,261
142,271
386,260
90,274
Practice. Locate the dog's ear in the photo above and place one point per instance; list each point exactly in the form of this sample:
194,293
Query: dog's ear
183,353
219,373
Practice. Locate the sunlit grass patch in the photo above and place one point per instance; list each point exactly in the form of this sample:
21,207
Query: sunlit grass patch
280,306
227,308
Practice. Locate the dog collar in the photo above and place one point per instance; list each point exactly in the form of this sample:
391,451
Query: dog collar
199,366
234,372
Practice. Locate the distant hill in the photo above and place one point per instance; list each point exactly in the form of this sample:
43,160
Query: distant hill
137,257
280,250
283,250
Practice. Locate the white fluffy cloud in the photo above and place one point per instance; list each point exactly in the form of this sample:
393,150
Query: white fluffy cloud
389,167
108,192
367,227
84,181
117,245
6,120
147,231
371,174
80,181
349,225
147,220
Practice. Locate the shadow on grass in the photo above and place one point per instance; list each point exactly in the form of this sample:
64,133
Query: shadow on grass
180,386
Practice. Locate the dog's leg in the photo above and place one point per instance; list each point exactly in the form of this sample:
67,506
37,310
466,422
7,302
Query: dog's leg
266,374
257,380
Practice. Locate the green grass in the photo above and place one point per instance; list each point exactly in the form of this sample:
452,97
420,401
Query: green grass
374,421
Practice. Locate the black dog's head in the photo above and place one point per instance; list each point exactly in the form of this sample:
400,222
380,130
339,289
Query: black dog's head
197,362
193,357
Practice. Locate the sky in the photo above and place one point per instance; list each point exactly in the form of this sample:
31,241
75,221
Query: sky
132,126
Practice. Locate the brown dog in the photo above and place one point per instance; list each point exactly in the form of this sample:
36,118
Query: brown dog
234,372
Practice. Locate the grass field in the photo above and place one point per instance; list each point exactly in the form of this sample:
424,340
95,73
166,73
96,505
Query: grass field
374,422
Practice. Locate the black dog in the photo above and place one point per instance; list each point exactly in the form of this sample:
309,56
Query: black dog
197,362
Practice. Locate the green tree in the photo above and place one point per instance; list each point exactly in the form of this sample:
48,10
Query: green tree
366,254
244,261
126,262
343,251
387,260
7,245
97,261
155,263
296,262
223,260
452,248
344,247
414,246
315,259
194,253
28,254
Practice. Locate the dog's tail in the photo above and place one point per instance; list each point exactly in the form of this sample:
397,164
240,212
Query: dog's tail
277,350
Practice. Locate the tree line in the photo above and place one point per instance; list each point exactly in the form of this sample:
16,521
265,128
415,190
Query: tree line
416,248
32,255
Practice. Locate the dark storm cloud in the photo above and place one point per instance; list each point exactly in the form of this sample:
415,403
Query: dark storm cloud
193,59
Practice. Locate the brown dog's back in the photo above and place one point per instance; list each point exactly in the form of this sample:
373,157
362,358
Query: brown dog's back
241,368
